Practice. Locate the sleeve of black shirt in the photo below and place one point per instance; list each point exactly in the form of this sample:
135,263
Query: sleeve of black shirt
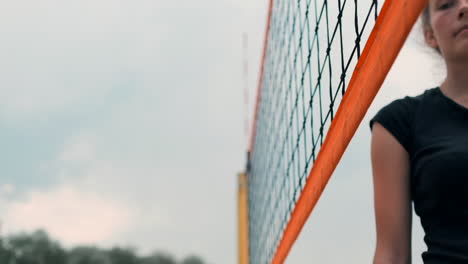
396,117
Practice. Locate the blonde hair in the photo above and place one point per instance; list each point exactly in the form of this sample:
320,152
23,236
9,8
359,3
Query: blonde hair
426,22
426,17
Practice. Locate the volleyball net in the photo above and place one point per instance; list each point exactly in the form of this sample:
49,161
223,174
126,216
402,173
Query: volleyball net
323,64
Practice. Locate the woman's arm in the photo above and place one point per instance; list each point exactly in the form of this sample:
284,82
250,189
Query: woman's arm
392,201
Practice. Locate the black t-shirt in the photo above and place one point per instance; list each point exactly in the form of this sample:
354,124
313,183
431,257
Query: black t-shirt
434,130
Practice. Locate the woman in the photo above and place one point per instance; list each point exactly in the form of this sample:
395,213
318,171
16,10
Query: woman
419,153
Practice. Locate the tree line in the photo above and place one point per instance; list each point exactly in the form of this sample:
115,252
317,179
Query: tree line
38,248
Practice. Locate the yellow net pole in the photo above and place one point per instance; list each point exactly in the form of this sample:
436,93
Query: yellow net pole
243,224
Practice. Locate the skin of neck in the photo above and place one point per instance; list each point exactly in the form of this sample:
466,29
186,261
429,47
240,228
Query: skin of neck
456,83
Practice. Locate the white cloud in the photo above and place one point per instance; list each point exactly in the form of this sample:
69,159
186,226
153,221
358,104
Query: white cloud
69,214
6,189
171,214
79,149
63,55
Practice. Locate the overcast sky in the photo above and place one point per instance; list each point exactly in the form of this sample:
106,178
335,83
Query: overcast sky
121,123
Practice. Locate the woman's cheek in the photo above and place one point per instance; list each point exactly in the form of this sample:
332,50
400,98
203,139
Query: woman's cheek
443,27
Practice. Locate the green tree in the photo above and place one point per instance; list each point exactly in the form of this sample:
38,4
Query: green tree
192,260
88,255
158,258
123,256
6,255
36,248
